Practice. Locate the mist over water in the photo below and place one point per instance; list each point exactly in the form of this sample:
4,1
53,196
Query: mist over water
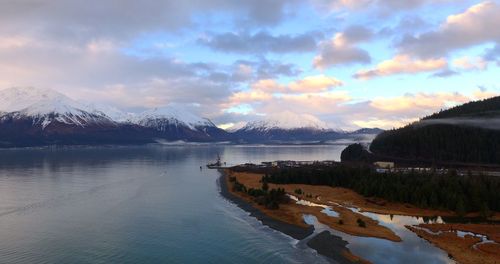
486,123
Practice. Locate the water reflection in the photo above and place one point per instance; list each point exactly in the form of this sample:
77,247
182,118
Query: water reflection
152,204
144,204
411,250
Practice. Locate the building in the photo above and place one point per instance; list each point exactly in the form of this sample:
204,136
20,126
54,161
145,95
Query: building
384,165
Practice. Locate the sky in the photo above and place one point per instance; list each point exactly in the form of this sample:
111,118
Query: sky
349,63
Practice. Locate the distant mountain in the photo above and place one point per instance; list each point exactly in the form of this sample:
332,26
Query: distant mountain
469,133
368,131
287,127
37,117
32,117
46,107
172,124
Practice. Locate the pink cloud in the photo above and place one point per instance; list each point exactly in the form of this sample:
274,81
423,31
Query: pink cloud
316,83
402,64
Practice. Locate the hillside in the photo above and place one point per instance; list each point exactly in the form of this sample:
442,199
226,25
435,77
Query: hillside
483,108
469,133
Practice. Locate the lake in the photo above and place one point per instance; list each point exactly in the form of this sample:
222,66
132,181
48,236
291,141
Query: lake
144,204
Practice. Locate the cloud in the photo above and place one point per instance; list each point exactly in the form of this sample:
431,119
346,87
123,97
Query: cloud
381,6
313,103
326,106
383,123
339,109
265,69
418,101
335,5
93,51
393,112
470,63
402,64
409,24
317,83
445,73
79,20
474,26
309,95
98,72
482,93
268,85
261,42
342,49
269,89
252,96
493,54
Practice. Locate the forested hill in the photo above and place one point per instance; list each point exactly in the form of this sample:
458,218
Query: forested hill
483,108
469,133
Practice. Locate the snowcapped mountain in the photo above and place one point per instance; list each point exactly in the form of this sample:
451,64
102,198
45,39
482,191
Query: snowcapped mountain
113,113
32,116
36,117
287,121
173,123
45,107
287,127
161,118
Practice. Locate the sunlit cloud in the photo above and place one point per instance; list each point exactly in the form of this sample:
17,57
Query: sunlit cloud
342,49
402,64
474,26
383,123
268,85
317,83
419,100
470,63
239,61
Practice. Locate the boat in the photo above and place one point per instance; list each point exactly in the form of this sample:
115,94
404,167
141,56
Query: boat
215,165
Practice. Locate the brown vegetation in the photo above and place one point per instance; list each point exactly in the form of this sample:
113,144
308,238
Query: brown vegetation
293,213
462,249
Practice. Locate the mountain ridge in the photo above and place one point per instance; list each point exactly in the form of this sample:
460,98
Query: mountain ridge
31,116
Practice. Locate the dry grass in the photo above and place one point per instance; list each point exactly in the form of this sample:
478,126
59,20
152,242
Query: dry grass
293,213
461,249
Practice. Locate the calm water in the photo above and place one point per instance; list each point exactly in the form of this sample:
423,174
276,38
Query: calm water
149,204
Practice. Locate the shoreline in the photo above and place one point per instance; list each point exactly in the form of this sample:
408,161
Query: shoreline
326,244
293,231
292,213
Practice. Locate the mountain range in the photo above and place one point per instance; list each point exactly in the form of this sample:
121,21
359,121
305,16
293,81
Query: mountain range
37,117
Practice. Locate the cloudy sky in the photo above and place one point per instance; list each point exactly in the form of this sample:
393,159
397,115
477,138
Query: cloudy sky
350,63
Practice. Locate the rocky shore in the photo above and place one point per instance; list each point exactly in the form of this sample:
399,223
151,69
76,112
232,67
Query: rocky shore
294,231
330,246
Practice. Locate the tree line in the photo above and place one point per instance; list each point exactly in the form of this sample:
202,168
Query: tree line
440,142
485,107
446,142
430,189
271,199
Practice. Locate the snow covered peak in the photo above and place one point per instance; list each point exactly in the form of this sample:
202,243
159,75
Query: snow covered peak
45,106
114,113
173,115
36,101
288,120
